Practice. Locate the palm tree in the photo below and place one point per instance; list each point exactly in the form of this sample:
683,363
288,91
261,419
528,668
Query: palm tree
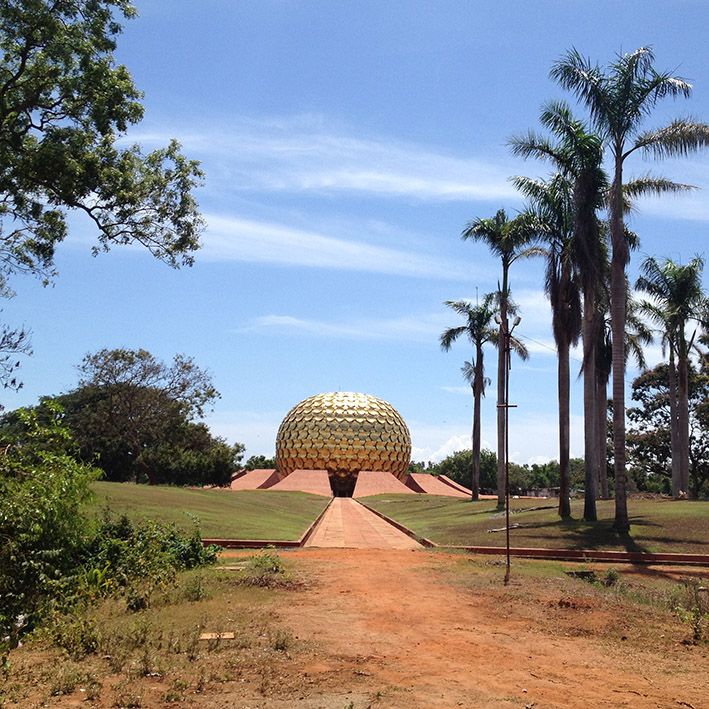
478,329
509,239
637,336
678,300
618,100
577,156
552,207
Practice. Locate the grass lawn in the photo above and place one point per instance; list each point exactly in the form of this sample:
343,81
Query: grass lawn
247,514
656,525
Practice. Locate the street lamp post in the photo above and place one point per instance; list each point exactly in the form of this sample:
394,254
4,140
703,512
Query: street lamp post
506,335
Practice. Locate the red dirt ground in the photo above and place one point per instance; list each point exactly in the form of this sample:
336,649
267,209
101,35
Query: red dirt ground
403,629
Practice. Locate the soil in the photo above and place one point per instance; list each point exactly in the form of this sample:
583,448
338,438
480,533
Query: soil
405,629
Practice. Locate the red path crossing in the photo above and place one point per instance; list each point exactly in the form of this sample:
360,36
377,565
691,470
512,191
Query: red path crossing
348,524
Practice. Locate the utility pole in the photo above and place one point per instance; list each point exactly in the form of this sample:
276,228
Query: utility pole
506,336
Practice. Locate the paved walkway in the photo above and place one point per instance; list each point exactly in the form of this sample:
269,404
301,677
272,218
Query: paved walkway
350,525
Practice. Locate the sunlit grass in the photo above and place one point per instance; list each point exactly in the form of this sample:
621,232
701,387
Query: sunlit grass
656,525
247,514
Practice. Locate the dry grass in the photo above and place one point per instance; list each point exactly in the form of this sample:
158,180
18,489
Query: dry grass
110,657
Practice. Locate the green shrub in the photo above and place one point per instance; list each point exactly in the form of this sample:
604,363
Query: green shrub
43,531
52,559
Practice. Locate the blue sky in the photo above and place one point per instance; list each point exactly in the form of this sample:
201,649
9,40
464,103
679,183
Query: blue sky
346,145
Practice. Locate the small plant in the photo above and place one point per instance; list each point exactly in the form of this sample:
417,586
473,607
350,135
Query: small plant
267,562
265,569
693,608
195,588
281,640
78,635
126,697
611,578
67,680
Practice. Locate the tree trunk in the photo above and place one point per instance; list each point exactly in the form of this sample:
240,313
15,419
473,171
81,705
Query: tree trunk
683,417
674,424
477,396
564,400
590,427
501,374
602,428
618,314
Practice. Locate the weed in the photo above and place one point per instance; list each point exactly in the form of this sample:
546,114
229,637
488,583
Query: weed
126,697
201,683
192,645
281,640
176,692
266,570
194,588
78,635
693,608
611,577
67,680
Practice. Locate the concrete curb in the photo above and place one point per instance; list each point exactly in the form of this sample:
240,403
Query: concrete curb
583,555
409,533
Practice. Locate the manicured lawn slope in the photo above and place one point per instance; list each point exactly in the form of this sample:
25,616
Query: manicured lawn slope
656,525
248,514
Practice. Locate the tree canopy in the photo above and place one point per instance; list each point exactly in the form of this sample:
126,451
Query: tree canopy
65,107
134,417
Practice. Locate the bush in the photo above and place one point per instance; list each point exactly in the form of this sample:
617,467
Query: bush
42,490
52,559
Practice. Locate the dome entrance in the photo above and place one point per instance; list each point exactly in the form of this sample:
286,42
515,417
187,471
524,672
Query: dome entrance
342,482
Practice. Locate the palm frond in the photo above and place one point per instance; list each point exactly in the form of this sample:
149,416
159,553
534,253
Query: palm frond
650,185
575,73
679,138
449,336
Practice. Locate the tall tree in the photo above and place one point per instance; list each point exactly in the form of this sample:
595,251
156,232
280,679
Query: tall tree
678,300
577,155
637,336
650,421
479,330
551,203
510,240
129,404
65,106
619,99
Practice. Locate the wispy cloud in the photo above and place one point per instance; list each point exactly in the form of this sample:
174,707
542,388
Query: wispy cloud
237,239
422,328
306,154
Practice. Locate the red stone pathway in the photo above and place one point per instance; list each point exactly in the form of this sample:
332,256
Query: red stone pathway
350,525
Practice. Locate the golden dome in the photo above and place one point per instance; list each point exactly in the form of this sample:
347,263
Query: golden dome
343,433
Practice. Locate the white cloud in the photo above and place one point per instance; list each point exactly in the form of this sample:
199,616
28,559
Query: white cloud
256,430
423,328
457,390
308,155
237,239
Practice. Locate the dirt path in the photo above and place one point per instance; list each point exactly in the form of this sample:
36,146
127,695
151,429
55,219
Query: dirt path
394,629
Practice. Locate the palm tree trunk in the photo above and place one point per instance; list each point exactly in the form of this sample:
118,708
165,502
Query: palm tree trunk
602,428
683,418
501,374
619,259
564,400
477,396
674,424
590,427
